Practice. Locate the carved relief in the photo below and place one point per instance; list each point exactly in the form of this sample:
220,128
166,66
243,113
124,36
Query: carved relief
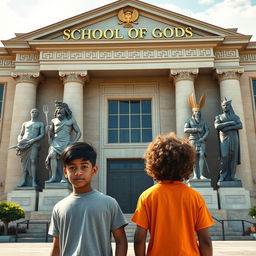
80,77
26,77
249,57
226,54
7,63
27,57
125,54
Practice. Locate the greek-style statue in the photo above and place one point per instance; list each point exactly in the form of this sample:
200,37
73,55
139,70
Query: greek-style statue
227,124
59,135
27,148
198,131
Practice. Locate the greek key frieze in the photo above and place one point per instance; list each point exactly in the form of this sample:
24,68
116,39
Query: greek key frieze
96,55
250,57
27,57
226,54
7,63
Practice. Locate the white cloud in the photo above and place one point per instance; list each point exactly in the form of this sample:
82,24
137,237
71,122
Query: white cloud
227,14
41,13
205,1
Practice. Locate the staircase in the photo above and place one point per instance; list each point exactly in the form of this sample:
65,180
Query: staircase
37,232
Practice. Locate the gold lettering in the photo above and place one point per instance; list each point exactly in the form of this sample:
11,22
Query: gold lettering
97,31
189,32
111,32
143,32
136,32
73,34
86,33
159,34
177,32
66,33
117,36
168,32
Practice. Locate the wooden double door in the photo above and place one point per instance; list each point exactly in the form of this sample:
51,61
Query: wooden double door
126,180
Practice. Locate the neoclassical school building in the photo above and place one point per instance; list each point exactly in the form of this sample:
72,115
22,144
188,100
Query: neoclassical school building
126,70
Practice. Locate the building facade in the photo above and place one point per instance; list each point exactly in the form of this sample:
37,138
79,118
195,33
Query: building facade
126,70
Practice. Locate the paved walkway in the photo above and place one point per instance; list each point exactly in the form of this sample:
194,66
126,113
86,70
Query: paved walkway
225,248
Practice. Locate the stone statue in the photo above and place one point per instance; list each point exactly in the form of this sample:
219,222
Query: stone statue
59,134
227,124
198,131
27,148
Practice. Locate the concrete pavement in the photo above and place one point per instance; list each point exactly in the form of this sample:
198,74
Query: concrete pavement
225,248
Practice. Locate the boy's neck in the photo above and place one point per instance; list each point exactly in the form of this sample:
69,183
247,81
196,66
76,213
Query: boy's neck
82,190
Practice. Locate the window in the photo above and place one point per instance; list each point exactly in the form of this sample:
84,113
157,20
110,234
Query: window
1,99
254,90
129,121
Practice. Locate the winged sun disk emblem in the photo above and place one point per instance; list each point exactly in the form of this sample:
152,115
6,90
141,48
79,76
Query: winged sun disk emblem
128,17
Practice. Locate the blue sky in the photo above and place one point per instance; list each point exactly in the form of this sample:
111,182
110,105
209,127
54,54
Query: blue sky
21,16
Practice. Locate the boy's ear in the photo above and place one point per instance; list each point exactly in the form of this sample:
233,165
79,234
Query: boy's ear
65,172
95,170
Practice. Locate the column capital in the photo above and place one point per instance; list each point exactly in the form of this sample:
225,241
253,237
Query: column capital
26,77
228,73
74,76
183,74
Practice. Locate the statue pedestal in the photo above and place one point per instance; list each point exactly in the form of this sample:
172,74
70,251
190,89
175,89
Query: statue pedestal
203,187
26,197
53,193
234,198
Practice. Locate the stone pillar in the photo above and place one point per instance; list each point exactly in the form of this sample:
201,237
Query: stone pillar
24,101
184,86
73,94
229,82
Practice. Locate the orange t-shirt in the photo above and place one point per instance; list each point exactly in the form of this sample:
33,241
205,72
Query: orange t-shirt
172,212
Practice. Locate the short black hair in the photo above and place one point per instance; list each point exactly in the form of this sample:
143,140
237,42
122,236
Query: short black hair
78,150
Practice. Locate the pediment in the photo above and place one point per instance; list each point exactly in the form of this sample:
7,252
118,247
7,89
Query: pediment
104,24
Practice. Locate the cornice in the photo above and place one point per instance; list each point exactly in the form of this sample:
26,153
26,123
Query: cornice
74,76
26,77
183,74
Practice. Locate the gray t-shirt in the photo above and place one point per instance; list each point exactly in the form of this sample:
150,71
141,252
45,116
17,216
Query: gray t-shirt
84,222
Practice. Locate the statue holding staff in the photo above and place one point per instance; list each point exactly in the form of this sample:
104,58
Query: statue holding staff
198,131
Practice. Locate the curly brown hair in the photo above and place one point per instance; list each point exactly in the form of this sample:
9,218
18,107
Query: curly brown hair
170,158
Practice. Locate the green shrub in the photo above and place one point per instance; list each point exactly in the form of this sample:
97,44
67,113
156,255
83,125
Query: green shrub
10,212
252,212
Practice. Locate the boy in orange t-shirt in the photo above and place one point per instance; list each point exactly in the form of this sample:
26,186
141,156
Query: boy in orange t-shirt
171,211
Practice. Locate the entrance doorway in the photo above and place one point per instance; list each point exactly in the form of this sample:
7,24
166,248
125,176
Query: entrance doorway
126,180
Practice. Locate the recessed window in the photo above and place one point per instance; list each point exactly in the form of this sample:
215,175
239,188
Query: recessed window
1,99
129,121
254,91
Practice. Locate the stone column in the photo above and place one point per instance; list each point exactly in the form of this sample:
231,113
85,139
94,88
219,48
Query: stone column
184,86
24,101
229,82
73,94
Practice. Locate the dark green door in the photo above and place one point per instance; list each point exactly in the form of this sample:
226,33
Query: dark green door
126,180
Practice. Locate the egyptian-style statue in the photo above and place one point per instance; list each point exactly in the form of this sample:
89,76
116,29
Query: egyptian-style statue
59,136
227,124
198,131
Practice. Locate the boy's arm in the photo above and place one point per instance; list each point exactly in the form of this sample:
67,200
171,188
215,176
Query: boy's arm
121,241
140,241
55,246
205,242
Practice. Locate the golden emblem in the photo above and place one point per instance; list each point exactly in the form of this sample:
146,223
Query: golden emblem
127,17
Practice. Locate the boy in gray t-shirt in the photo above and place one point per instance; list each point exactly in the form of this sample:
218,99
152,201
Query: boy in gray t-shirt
82,222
